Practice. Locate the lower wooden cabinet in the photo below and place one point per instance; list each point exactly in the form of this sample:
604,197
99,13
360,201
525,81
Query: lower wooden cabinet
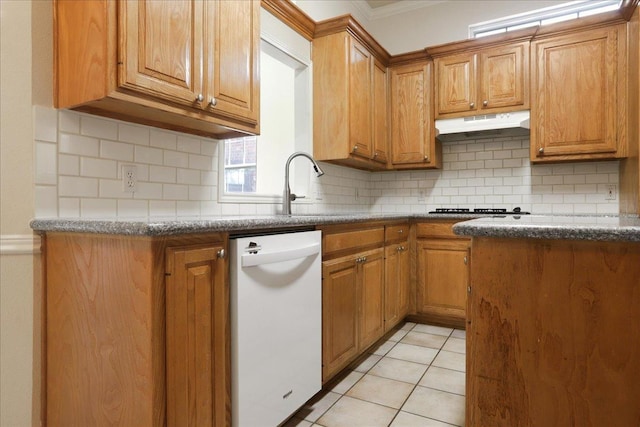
397,276
197,295
442,274
352,307
136,330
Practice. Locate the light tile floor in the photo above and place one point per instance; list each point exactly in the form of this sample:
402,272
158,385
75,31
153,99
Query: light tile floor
415,378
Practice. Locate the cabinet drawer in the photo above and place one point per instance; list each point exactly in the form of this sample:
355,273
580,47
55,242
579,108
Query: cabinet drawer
351,240
394,233
438,229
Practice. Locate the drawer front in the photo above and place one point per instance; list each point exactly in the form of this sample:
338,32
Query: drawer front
395,233
351,240
437,229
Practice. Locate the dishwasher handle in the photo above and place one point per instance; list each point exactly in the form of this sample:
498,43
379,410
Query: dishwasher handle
251,260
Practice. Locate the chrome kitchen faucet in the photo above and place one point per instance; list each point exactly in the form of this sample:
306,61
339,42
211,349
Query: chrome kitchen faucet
287,197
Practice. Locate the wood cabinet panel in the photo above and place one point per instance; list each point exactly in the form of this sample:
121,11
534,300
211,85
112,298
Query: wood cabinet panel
549,340
397,286
198,385
371,297
339,314
413,142
380,103
504,77
438,229
360,99
396,233
456,83
443,275
580,75
339,242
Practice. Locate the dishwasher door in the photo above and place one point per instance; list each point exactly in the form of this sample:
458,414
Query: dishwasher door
276,335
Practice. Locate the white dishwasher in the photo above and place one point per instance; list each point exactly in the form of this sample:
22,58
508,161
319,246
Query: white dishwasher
276,335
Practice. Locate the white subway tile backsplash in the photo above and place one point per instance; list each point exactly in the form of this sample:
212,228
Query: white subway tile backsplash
80,145
178,175
116,150
148,155
75,186
98,168
98,127
46,169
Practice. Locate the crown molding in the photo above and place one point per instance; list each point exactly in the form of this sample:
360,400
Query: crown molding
292,16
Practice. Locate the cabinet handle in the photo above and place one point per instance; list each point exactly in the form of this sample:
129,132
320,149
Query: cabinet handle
485,102
540,151
199,98
221,254
213,102
472,105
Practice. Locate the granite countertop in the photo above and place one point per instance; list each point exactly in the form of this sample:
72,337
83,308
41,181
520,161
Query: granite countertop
572,227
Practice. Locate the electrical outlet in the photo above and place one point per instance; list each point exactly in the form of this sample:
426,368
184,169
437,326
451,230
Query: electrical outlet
129,178
611,192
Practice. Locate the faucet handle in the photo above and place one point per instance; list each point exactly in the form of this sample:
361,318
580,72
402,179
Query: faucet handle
294,197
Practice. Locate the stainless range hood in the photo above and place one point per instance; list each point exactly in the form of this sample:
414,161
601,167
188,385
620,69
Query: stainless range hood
484,126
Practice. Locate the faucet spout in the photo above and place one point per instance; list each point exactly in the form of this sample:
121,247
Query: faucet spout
287,197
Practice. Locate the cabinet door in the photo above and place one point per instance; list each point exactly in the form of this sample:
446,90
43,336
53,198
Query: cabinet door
504,77
360,99
396,296
197,301
371,272
455,83
412,134
232,52
576,84
162,49
380,105
339,314
443,277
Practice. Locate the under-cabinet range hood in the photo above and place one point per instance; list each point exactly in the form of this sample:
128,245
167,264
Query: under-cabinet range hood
483,126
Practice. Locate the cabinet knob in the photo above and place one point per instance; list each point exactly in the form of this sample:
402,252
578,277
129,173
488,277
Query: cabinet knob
485,102
541,151
472,105
199,98
466,260
221,254
213,102
375,154
355,147
401,231
426,158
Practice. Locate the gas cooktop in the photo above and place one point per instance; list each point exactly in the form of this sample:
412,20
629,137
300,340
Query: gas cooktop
479,211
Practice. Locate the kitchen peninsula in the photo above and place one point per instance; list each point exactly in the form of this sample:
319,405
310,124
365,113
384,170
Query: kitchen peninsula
552,311
551,300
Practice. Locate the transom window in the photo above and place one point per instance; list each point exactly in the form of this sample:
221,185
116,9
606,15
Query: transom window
549,15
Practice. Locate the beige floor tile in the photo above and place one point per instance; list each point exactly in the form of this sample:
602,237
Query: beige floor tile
436,404
450,360
424,340
383,348
405,419
350,412
312,410
459,333
455,345
435,330
408,326
413,353
444,380
400,370
382,391
347,382
398,335
363,365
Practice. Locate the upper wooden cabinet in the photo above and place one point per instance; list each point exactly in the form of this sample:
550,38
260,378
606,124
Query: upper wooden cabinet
579,82
493,79
413,143
190,65
350,96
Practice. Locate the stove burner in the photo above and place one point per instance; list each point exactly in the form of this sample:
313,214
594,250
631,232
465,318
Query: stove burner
479,211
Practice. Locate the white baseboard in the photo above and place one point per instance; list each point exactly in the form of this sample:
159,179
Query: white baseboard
19,244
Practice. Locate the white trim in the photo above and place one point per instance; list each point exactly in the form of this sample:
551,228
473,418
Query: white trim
19,244
395,8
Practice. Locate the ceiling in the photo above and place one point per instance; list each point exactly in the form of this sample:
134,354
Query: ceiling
375,4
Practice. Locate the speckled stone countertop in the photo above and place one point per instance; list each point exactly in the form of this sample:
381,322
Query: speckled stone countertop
574,227
606,228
